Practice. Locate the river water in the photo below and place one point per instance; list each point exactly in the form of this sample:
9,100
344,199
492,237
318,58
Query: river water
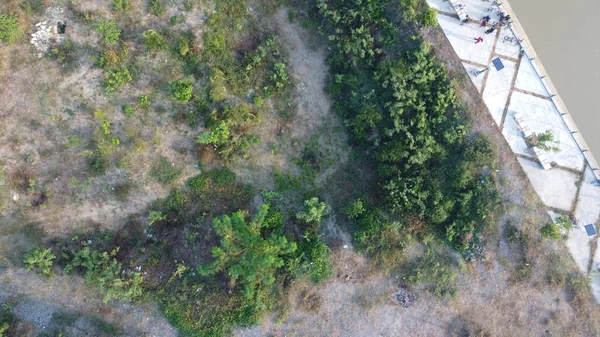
566,38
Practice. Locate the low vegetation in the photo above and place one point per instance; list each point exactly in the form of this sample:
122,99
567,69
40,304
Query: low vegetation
180,110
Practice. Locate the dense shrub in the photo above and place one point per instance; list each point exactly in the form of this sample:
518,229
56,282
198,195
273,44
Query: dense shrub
311,259
229,129
380,237
404,106
103,270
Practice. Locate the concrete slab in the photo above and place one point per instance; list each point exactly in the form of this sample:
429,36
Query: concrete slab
514,136
527,79
441,5
505,47
579,247
588,205
463,37
497,89
555,187
477,80
540,115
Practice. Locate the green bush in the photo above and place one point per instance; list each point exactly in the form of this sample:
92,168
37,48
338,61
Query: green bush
121,5
7,318
103,270
127,110
182,90
66,54
40,260
433,271
165,172
143,100
97,164
200,307
429,18
551,231
116,79
381,238
222,176
218,90
176,203
108,27
547,142
355,209
314,211
312,259
10,30
154,41
183,47
156,7
198,184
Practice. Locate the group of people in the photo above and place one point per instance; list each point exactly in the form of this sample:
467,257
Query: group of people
504,20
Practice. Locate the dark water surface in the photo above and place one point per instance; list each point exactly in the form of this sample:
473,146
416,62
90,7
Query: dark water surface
566,38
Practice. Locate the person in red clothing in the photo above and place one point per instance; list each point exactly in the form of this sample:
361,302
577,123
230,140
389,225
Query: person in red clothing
478,39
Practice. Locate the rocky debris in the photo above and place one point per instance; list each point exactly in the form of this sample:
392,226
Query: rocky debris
46,32
404,297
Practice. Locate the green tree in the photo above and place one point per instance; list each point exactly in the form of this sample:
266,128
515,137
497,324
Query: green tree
10,30
547,142
40,260
248,257
314,211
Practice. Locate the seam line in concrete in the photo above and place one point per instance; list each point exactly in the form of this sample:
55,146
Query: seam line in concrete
527,157
510,91
473,63
579,183
485,77
527,92
452,15
508,58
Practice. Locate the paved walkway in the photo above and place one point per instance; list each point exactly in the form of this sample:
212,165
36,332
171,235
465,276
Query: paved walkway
523,101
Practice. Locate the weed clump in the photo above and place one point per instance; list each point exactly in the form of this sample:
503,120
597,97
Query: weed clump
109,29
116,79
165,172
40,260
10,30
182,90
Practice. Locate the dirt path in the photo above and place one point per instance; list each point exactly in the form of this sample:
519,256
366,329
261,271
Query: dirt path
38,298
